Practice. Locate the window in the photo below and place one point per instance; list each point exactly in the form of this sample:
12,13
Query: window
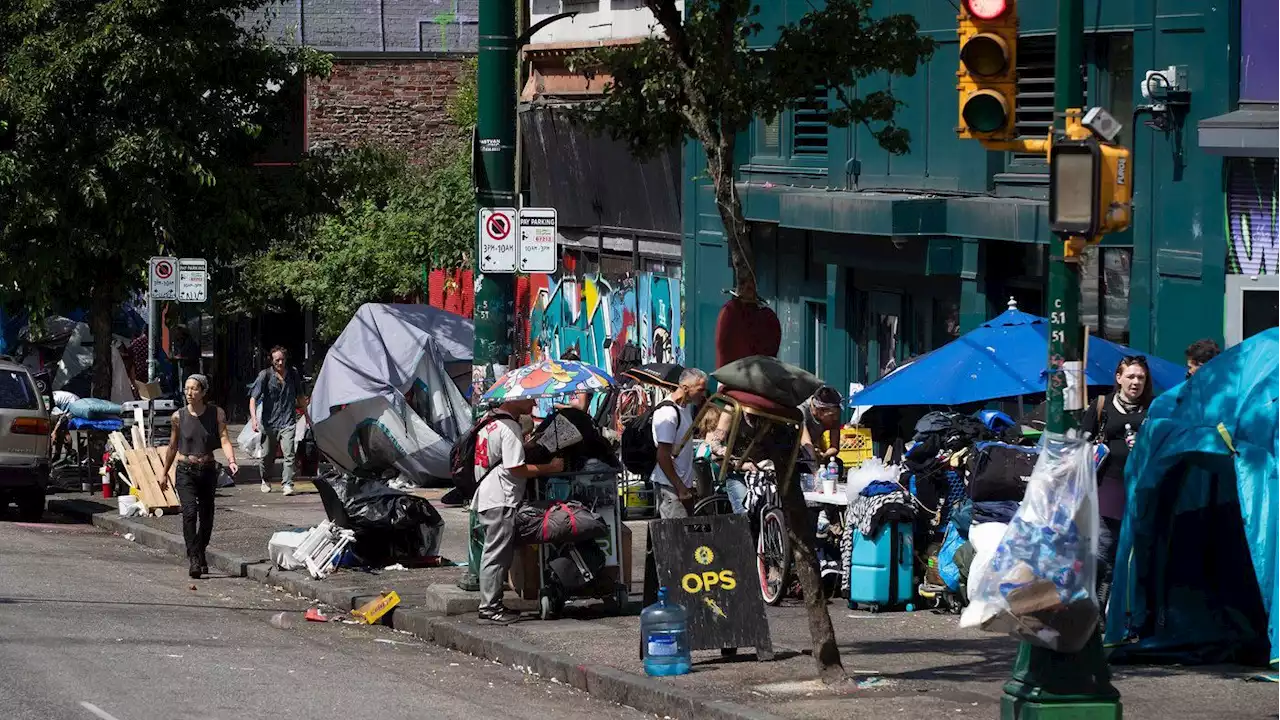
17,392
809,127
1104,292
769,137
1033,111
1119,83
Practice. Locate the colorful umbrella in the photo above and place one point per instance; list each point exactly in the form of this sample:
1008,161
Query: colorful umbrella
548,378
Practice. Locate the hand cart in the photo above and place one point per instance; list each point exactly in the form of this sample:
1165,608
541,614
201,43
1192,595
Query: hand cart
598,491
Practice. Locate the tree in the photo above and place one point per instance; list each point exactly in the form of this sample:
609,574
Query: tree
394,219
705,79
132,129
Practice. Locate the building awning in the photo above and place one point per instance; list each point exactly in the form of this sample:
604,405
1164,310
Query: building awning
1250,131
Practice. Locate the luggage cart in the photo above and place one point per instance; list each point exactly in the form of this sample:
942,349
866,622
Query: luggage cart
598,492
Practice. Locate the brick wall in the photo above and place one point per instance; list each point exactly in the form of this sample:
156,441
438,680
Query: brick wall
395,102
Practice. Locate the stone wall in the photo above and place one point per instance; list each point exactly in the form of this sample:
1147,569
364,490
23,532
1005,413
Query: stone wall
394,102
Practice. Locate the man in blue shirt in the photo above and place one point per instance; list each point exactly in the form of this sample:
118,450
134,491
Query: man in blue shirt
273,403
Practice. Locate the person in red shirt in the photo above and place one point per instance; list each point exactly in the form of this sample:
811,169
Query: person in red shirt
746,326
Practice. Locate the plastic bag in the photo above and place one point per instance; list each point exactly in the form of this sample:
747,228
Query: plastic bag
250,442
873,470
1040,584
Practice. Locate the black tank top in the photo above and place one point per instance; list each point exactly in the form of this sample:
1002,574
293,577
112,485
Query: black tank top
198,436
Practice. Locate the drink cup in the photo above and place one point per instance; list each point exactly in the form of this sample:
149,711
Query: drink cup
829,486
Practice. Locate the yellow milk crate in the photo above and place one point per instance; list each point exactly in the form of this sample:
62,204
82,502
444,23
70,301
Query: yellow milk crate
855,446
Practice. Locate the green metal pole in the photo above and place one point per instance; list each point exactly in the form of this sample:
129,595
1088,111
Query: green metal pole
495,188
1045,684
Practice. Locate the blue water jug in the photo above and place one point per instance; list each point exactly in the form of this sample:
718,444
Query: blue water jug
664,637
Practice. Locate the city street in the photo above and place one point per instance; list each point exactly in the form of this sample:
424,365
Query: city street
95,627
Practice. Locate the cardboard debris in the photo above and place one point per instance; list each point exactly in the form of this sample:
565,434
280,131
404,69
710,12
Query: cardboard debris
373,610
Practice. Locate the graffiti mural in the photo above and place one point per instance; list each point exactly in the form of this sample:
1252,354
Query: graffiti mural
1252,218
633,320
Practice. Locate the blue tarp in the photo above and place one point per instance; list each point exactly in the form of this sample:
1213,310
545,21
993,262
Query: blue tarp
1003,358
1196,577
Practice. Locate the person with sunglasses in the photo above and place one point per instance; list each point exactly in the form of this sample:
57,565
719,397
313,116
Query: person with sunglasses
1114,421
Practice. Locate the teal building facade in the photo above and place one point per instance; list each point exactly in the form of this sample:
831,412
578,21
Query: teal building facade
870,259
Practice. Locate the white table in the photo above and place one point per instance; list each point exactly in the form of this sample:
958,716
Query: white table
819,498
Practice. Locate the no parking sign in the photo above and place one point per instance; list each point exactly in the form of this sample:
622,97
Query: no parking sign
497,240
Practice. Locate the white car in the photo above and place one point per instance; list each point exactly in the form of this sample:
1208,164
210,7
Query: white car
24,442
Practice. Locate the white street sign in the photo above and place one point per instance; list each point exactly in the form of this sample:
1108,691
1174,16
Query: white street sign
537,250
164,278
497,227
193,280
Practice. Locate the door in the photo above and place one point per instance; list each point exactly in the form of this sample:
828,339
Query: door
1253,305
815,337
885,348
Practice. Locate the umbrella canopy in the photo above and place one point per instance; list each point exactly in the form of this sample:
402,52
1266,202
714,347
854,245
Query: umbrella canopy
548,379
665,375
1004,357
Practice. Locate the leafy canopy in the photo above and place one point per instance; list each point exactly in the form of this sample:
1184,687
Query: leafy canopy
706,77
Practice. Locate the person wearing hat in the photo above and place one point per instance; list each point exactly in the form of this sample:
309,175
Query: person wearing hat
821,414
199,429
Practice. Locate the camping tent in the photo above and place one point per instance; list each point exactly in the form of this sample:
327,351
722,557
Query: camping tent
1195,577
389,371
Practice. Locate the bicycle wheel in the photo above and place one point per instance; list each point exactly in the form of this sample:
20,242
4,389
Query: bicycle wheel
773,555
717,504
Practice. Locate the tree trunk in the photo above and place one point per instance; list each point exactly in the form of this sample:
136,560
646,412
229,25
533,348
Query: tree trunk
101,308
737,231
805,565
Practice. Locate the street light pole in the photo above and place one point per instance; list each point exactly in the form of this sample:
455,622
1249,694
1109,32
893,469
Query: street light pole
494,311
1048,684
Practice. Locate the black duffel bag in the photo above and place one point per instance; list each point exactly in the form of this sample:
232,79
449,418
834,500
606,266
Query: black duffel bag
555,521
997,471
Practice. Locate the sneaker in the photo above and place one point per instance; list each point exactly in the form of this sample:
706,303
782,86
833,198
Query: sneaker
500,616
287,490
266,486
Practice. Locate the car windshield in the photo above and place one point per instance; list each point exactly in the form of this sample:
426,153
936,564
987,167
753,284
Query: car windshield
16,391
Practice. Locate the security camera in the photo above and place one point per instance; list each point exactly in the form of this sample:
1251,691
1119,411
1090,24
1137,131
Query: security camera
1102,124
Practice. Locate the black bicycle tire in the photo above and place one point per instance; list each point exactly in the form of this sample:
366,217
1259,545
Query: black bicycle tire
784,559
718,504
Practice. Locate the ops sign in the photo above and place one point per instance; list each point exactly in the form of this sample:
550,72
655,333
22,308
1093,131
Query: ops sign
708,565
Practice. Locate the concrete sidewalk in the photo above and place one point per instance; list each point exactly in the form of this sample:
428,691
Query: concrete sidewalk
914,663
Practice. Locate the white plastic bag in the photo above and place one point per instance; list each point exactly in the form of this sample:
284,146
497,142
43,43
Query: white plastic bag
250,442
873,470
1040,584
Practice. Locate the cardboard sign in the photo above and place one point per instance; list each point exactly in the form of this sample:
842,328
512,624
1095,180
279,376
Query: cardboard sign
708,565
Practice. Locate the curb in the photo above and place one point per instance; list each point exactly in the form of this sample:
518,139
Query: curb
604,683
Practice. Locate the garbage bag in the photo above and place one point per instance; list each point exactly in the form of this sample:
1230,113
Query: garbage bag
557,521
390,526
250,442
948,569
1041,583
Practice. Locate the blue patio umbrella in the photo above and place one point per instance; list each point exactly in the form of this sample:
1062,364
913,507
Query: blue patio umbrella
1003,358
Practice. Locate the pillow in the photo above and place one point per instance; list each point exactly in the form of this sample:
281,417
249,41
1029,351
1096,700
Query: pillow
769,377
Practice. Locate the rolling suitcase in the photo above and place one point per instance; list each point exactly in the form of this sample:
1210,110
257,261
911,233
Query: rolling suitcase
881,569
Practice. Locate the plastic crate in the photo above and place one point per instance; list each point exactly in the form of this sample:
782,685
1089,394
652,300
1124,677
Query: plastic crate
855,446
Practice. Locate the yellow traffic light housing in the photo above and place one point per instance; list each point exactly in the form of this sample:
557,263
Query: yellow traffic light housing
988,73
1116,201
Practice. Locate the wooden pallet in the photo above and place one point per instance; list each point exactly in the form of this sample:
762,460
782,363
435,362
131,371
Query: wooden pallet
143,467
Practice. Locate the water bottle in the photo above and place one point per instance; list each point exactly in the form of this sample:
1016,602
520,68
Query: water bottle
664,637
833,470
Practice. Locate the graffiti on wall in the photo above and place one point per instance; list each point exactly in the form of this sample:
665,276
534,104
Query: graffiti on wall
1252,219
607,321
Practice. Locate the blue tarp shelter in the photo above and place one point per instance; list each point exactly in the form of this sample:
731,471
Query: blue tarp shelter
1003,358
1196,578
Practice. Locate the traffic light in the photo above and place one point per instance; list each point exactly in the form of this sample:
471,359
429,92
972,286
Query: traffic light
1090,188
988,74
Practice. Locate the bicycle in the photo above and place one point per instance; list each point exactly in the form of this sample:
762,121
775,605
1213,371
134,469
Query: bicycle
768,527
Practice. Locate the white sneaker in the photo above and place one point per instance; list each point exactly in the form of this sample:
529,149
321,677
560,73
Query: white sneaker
266,486
287,490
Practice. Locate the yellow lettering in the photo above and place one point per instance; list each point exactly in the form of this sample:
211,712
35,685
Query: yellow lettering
696,581
710,578
727,580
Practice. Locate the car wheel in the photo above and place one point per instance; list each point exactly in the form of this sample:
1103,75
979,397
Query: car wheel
31,506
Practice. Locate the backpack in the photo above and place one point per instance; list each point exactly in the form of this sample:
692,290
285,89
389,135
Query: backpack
462,457
639,452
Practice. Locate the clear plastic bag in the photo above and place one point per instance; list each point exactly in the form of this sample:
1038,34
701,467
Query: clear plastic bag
1041,583
250,442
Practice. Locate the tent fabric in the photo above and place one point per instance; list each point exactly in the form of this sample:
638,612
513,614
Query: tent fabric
1003,358
389,371
1196,576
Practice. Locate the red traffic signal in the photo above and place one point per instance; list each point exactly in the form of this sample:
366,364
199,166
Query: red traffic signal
987,9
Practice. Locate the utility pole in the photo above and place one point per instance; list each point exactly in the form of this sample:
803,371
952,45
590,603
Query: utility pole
495,181
1047,684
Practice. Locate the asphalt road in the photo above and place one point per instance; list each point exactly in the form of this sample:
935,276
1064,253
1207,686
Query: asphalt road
95,627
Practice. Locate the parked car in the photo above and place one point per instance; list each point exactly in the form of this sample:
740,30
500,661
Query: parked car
24,442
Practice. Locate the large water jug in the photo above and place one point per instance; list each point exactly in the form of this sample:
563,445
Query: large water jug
664,637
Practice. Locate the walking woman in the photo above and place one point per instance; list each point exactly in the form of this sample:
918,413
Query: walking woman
1114,421
198,430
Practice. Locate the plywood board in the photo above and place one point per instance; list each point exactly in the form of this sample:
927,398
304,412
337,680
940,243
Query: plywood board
168,488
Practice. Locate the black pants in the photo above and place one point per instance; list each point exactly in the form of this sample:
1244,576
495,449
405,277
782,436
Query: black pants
1108,540
196,485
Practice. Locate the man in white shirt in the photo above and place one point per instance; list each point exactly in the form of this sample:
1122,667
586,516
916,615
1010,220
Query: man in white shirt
672,477
502,474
